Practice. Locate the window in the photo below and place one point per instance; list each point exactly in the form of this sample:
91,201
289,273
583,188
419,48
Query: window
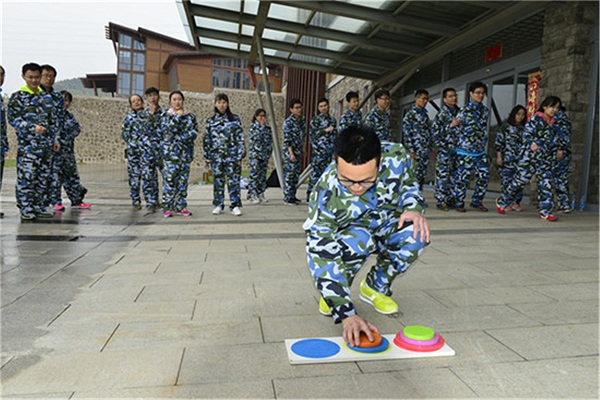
230,73
137,84
139,61
124,59
124,83
138,45
124,41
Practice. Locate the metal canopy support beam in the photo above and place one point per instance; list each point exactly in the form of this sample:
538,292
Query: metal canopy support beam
276,146
259,26
350,10
517,11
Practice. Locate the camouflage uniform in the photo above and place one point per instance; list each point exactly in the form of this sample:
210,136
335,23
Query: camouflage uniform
471,146
349,118
132,130
224,149
343,230
34,152
416,128
380,121
540,162
151,158
56,104
3,137
294,130
177,144
321,143
509,142
65,165
260,149
445,143
562,168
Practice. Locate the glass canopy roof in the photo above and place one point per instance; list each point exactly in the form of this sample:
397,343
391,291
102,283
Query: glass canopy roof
380,40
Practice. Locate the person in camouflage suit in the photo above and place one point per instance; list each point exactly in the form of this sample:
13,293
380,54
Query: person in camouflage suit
260,149
444,140
379,117
179,129
133,130
539,157
471,147
352,116
294,130
152,153
37,138
65,164
3,136
367,201
224,150
416,129
509,147
322,134
562,166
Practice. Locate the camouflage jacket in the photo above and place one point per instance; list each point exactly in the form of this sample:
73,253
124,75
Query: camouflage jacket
178,135
261,141
71,130
3,135
153,122
416,129
322,142
56,106
27,109
349,118
381,122
134,129
443,135
224,139
332,208
537,130
472,131
509,142
562,125
294,130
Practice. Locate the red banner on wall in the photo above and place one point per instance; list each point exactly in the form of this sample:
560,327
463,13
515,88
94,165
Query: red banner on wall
533,89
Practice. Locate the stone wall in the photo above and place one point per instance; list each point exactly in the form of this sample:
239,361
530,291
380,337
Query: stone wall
566,65
101,118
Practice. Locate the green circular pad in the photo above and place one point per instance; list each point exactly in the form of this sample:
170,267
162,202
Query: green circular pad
418,332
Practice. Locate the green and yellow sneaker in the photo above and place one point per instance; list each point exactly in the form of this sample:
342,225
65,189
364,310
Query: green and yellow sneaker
324,308
383,304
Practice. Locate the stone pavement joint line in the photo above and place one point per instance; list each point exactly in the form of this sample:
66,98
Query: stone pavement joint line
116,303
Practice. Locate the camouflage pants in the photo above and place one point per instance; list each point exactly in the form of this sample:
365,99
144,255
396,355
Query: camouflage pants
562,173
420,166
508,172
291,173
134,173
530,164
444,176
149,174
34,180
464,165
257,180
335,261
65,175
1,168
176,174
226,173
318,166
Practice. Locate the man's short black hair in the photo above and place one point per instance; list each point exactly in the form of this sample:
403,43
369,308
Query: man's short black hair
151,90
420,92
446,91
48,67
293,102
323,99
351,95
357,145
379,93
476,85
31,67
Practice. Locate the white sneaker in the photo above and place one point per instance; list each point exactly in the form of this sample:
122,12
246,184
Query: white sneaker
217,210
263,199
236,211
254,200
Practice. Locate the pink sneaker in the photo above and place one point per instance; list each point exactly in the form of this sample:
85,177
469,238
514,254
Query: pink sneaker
168,214
516,207
185,212
82,205
59,207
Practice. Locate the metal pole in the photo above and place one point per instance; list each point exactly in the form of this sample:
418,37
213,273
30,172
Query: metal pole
276,145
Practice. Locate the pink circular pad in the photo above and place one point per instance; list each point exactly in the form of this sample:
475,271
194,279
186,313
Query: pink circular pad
429,342
421,349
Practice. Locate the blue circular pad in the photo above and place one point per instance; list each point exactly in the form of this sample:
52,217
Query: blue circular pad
315,348
377,349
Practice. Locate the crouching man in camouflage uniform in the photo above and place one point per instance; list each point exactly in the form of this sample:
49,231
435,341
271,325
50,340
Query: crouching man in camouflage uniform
367,202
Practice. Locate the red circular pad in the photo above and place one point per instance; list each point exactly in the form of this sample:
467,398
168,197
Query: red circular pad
422,349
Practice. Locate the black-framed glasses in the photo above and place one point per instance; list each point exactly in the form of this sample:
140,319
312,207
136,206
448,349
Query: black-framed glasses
349,182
